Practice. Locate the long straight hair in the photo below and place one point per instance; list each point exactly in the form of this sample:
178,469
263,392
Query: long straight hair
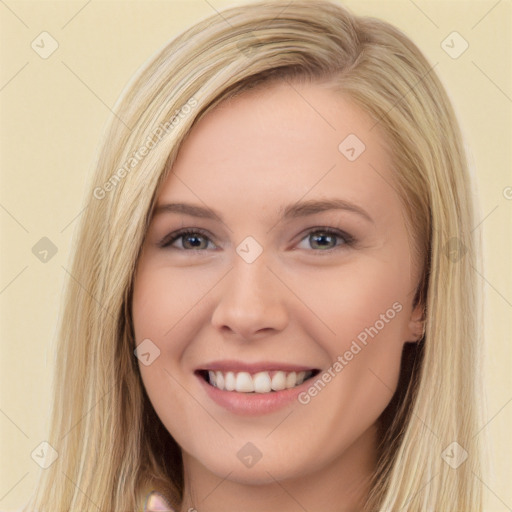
112,447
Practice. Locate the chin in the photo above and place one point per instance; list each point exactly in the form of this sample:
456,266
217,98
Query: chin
266,470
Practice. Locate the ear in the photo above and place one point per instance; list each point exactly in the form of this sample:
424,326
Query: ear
157,503
416,326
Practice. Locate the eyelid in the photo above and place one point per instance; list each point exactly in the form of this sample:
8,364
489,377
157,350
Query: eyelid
348,240
170,238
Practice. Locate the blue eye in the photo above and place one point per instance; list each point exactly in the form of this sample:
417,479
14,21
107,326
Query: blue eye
191,239
325,240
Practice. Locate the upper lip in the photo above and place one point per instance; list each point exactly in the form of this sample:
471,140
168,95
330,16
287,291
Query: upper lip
240,366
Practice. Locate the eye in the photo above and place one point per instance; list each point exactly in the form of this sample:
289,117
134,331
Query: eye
325,239
194,239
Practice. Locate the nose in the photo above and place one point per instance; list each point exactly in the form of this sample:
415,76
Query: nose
251,301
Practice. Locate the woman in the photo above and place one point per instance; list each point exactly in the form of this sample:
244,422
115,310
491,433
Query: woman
226,358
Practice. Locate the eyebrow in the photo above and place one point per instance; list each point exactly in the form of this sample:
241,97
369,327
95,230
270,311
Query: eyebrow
300,209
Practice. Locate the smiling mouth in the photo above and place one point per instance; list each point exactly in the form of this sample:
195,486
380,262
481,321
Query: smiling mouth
260,382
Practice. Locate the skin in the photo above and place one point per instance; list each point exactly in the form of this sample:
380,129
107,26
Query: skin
295,303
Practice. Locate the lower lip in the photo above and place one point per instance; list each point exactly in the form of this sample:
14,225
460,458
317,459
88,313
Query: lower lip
253,404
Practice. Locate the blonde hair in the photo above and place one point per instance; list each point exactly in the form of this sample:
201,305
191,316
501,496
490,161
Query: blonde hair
112,447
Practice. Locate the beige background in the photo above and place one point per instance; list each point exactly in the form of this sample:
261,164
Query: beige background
54,109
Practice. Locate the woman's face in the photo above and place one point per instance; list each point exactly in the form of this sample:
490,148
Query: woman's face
304,266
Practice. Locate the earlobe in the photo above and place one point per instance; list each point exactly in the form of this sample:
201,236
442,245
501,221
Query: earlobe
155,502
417,322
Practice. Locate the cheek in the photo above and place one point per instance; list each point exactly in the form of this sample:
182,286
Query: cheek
155,321
364,300
164,299
165,302
366,308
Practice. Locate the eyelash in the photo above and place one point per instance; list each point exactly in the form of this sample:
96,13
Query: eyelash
169,239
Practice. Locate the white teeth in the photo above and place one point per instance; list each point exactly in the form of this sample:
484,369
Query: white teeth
230,382
291,380
244,383
260,382
279,381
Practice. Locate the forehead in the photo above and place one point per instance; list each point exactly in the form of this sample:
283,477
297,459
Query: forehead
281,143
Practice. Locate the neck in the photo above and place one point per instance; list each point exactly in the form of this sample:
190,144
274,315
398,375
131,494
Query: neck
340,486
